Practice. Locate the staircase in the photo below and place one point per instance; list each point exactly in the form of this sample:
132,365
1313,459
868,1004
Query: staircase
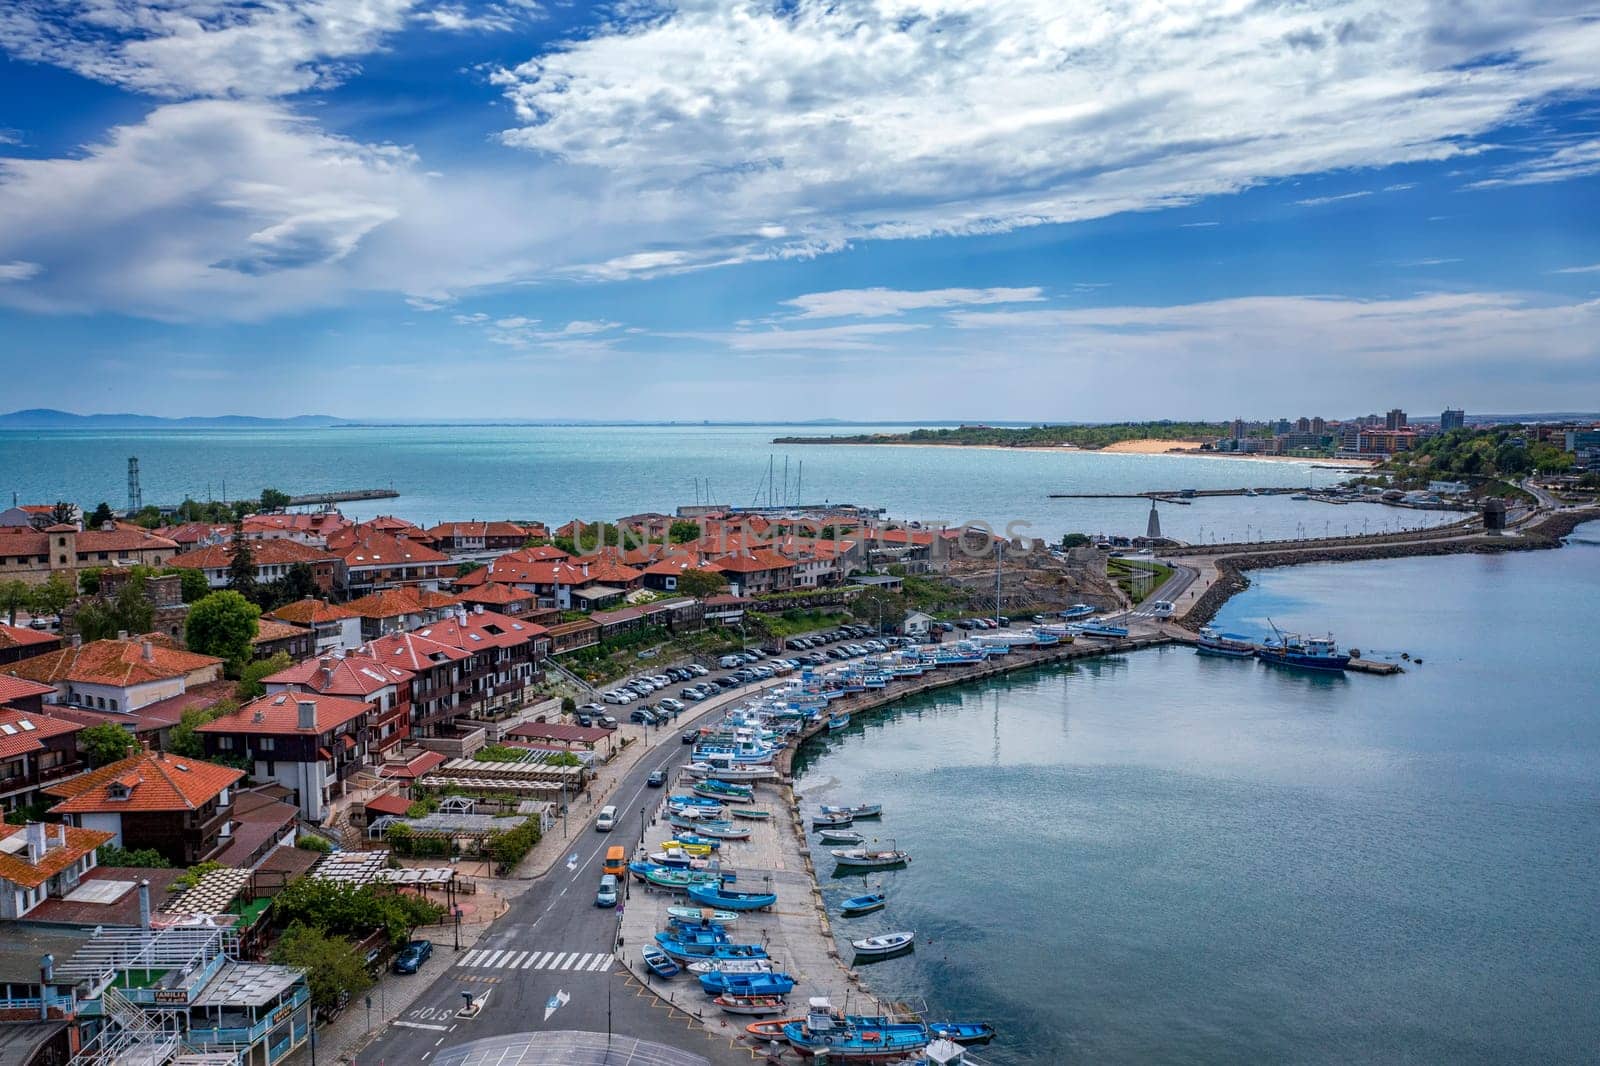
132,1036
572,678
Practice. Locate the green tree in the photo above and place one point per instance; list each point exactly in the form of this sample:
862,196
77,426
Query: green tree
89,580
14,596
273,500
63,513
701,583
133,610
251,674
1074,540
149,518
101,516
298,584
334,969
53,596
111,855
683,531
106,743
192,581
223,624
242,568
463,569
95,621
185,739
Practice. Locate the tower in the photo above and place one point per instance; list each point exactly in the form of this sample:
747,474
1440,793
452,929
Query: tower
135,497
1152,528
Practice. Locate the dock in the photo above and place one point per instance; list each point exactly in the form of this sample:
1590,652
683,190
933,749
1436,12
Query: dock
315,499
1174,495
1373,666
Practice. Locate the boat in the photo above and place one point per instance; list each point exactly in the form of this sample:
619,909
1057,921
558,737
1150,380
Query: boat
841,836
765,1032
688,841
701,914
840,720
706,947
850,1038
1099,629
1224,645
729,772
1303,653
719,897
694,803
746,984
754,814
719,830
831,821
659,963
754,1005
1077,610
678,860
877,947
863,904
731,966
725,793
967,1034
1299,496
859,810
865,858
672,876
699,849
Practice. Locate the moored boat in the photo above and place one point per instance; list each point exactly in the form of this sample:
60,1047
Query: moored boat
1103,630
840,836
659,963
752,1005
1223,645
1302,653
831,821
848,1038
865,858
701,914
711,788
1077,610
719,830
717,897
841,720
767,1031
967,1034
746,984
856,810
732,966
865,903
754,814
885,944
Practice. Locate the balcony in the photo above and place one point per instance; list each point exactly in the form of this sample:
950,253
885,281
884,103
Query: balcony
248,1035
463,744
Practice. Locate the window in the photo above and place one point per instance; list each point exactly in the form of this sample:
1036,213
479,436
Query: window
113,703
225,743
266,744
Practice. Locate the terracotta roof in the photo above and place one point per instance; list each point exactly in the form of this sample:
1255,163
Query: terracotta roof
413,767
353,675
270,629
20,688
388,803
519,572
156,782
752,562
22,732
369,548
321,523
492,593
123,538
539,553
19,871
454,530
195,532
19,637
481,630
167,712
279,551
392,603
120,663
308,611
412,652
608,572
279,714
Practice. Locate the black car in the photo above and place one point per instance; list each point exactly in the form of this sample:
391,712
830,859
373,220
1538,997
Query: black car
412,956
727,682
690,736
656,779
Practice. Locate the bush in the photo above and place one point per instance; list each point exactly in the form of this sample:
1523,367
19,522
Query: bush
312,842
334,969
508,848
341,909
111,855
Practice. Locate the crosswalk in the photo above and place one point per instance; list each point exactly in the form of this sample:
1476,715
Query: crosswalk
511,959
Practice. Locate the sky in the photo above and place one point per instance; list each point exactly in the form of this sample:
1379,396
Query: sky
856,209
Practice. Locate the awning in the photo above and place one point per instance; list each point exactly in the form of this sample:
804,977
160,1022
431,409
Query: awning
349,742
325,753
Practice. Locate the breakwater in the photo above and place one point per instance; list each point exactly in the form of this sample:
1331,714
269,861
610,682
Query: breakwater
1231,568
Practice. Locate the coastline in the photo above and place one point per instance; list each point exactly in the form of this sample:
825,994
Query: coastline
1110,449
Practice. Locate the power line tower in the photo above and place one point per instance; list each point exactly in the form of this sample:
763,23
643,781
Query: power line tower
135,496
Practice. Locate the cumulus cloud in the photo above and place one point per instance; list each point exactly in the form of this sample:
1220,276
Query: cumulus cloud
878,302
1592,268
18,270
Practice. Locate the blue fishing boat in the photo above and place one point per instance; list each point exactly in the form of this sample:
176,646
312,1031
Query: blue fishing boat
853,1038
1303,653
697,916
659,963
686,802
692,840
718,983
1099,629
841,720
717,896
1044,637
967,1034
1077,610
689,950
724,792
863,904
672,876
703,827
1223,645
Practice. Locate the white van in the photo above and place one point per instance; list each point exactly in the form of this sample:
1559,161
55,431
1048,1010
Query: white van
606,820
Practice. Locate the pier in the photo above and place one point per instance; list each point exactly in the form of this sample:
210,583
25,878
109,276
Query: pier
1174,494
316,499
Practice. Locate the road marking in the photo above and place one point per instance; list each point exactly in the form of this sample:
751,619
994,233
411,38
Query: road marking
556,965
555,1002
513,962
605,959
494,959
573,963
421,1025
470,958
533,957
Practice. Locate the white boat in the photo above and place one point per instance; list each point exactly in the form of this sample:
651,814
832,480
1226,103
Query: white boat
702,914
870,858
752,1005
729,772
840,836
731,966
885,944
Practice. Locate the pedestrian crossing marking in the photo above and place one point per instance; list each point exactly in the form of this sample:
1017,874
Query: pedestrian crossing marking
511,959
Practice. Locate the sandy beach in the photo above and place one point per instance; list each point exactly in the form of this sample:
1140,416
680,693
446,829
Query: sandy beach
1146,446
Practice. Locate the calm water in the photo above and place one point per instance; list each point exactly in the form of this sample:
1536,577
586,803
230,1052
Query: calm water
557,473
1165,858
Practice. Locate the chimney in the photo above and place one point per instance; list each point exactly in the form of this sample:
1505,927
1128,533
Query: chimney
37,843
147,651
144,903
308,714
77,640
477,608
122,634
61,834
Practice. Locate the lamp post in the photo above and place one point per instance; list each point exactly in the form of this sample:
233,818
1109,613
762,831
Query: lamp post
458,928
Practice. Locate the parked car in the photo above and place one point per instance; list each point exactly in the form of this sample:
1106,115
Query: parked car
945,627
751,655
670,705
699,671
606,895
797,643
618,696
694,694
606,820
656,779
640,716
728,662
727,682
584,720
606,720
413,955
660,680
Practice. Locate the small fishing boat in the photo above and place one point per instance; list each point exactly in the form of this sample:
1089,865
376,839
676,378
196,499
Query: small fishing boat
678,859
841,836
1077,610
1103,630
831,821
840,720
673,877
707,948
732,966
863,904
753,1005
967,1034
701,914
659,963
859,810
688,847
718,897
754,814
688,841
1223,645
722,830
865,858
730,772
768,1031
848,1038
877,947
747,984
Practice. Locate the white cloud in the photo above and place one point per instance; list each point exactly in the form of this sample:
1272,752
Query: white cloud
1569,162
1592,268
862,337
577,337
846,119
878,302
1318,201
18,270
1440,261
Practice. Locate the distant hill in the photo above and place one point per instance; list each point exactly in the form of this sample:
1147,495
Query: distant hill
46,418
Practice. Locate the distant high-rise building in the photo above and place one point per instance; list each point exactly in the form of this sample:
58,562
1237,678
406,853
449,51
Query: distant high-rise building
1452,419
1302,425
1319,426
1395,419
1282,425
1238,428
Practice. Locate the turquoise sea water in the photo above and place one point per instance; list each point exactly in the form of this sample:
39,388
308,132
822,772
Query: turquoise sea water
557,473
1164,858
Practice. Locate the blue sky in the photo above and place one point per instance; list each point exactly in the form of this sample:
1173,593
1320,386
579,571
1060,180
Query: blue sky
874,209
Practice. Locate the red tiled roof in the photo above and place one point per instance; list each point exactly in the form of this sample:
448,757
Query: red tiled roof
308,611
413,767
270,629
279,714
163,713
123,538
158,781
388,803
18,637
20,688
195,532
22,732
19,871
500,595
353,675
279,551
120,663
539,553
322,523
454,530
412,652
370,548
392,603
753,562
481,630
518,572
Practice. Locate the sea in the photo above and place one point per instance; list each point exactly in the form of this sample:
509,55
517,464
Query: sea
1166,858
555,473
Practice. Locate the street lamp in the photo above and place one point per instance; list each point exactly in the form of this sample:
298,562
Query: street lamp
458,928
